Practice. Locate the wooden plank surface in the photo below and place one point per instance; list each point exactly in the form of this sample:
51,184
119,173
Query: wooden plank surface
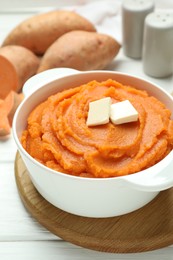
51,250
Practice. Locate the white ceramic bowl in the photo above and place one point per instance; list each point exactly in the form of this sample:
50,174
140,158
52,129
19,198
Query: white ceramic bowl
86,196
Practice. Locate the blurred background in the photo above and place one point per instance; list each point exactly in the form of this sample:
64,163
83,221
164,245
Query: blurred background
8,4
17,4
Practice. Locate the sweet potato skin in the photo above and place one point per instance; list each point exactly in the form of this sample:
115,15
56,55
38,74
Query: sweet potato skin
80,50
40,31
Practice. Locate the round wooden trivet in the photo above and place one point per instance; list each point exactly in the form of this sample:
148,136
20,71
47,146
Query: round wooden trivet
148,228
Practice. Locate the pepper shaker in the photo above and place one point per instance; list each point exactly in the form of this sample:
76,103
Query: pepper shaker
158,44
133,16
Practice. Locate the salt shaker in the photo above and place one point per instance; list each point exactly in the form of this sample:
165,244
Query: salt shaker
133,16
158,44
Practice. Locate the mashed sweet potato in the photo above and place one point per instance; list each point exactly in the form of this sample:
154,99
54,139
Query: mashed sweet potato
58,137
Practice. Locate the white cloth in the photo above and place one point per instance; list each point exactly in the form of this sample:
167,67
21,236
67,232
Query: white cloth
106,14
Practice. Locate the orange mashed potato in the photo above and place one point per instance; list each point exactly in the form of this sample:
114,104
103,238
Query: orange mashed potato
58,137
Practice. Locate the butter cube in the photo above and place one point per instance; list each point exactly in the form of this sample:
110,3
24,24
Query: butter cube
123,112
99,112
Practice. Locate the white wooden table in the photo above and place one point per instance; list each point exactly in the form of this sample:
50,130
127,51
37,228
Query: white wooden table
21,236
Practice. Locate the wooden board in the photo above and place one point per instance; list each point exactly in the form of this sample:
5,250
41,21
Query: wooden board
148,228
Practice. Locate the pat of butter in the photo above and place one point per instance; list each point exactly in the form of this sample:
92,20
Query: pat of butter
99,112
123,112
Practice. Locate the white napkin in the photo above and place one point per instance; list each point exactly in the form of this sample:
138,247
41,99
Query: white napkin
105,15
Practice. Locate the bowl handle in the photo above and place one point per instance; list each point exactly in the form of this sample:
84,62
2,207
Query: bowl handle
156,178
42,78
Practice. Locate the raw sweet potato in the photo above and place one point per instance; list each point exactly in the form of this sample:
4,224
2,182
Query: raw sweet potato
80,50
5,127
17,64
40,31
8,107
12,101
